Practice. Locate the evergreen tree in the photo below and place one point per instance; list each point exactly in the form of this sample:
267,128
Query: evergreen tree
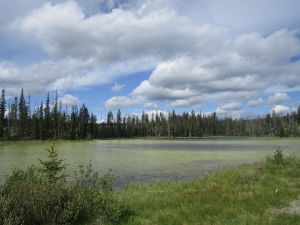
54,168
110,119
14,117
47,119
23,115
83,121
298,115
41,121
2,113
119,124
55,117
74,123
35,125
93,126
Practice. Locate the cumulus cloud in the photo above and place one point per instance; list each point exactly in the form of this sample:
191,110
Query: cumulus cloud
97,49
278,98
117,87
151,106
120,102
255,102
281,109
63,30
240,72
229,107
192,62
69,100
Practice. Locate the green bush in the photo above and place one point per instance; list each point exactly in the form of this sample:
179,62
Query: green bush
38,196
278,159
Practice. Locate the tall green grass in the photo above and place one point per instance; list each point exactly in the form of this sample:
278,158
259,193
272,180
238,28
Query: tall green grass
238,196
41,195
242,195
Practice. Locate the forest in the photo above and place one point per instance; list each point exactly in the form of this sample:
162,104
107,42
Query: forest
52,120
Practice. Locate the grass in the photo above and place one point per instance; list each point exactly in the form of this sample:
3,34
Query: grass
42,195
242,195
248,194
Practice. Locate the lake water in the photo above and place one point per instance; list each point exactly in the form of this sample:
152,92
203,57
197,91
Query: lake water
139,160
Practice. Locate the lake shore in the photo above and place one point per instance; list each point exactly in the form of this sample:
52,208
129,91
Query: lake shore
154,138
248,194
143,160
251,193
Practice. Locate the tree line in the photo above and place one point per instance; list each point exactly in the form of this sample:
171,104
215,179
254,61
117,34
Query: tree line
50,120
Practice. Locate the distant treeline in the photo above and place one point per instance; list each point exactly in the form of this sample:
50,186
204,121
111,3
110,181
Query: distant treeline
50,121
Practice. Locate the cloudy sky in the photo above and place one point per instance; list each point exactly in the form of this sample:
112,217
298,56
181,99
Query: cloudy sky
230,56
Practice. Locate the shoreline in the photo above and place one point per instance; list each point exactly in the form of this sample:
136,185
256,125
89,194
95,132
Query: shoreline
158,138
246,194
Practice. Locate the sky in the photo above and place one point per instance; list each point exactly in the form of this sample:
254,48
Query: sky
236,58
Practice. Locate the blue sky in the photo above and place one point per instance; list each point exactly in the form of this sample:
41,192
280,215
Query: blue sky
238,58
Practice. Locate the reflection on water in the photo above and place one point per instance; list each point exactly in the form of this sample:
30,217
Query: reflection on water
143,160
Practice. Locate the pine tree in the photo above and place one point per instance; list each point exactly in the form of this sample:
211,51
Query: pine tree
35,124
110,118
14,116
74,123
54,168
55,117
47,118
119,124
93,126
83,121
2,113
298,115
23,115
41,121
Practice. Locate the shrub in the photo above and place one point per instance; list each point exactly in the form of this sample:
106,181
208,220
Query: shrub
40,196
279,159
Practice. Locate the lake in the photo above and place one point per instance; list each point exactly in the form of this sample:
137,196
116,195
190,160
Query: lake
139,160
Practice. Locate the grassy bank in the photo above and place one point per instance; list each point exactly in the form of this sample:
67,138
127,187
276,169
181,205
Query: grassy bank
249,194
44,195
244,195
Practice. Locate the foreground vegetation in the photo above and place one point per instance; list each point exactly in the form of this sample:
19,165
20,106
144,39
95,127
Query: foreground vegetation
42,195
52,120
249,194
243,195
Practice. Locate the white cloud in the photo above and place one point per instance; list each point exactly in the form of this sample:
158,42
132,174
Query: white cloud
278,47
120,102
63,30
281,109
69,100
117,87
278,98
231,108
193,61
264,16
88,51
151,106
239,72
255,102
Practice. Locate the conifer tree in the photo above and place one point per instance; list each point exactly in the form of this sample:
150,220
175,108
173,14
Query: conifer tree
119,124
41,121
2,113
47,119
23,114
74,123
83,121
